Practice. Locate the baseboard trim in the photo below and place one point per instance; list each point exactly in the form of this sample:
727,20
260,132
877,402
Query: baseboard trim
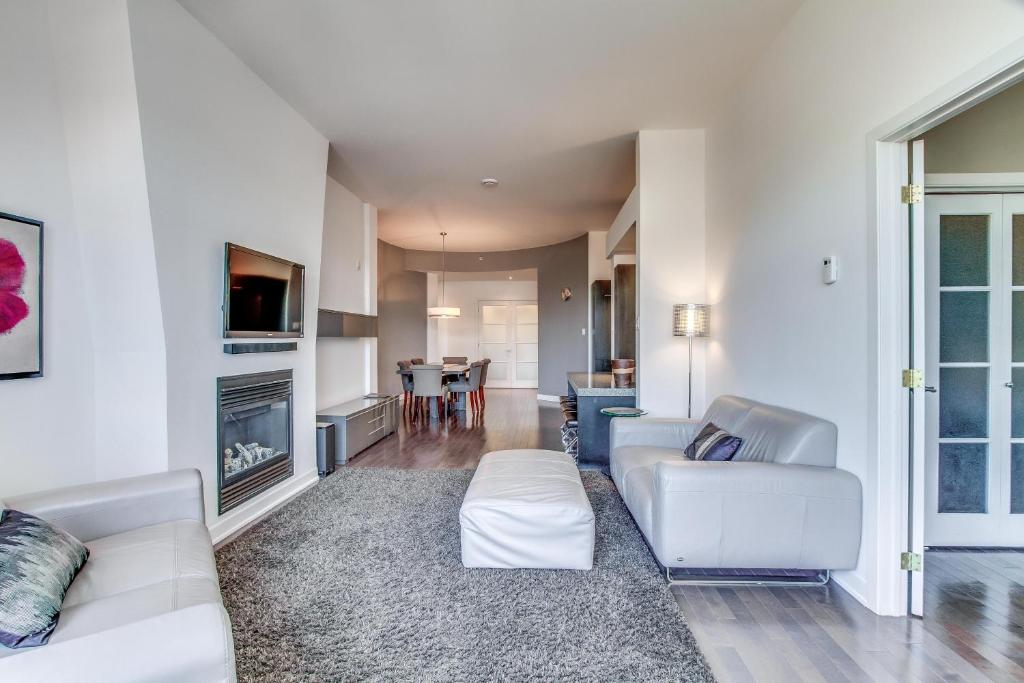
547,398
234,523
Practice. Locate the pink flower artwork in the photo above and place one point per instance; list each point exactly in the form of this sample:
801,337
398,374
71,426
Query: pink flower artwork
13,308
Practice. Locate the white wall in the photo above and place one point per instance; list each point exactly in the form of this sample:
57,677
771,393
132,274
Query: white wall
670,265
599,266
226,160
348,282
433,324
790,181
99,105
46,424
461,336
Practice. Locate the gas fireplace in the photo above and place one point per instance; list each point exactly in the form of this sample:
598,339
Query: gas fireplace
254,435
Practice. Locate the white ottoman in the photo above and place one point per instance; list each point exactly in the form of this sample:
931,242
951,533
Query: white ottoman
527,509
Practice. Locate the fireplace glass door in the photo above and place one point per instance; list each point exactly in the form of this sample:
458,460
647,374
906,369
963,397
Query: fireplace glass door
255,435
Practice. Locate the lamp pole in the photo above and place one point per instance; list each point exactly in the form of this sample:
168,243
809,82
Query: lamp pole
689,377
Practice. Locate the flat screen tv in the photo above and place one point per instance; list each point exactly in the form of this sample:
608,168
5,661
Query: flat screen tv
262,294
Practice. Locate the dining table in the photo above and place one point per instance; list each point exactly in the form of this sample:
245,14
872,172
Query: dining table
451,371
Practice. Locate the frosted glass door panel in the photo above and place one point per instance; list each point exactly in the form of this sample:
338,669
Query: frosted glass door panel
963,327
964,250
963,477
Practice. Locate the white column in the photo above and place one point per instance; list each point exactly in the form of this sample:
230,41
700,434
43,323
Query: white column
670,257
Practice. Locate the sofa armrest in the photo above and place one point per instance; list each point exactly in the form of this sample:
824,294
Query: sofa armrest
755,515
92,511
191,644
652,431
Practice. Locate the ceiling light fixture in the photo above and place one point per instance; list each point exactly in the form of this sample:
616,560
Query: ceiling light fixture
443,311
489,182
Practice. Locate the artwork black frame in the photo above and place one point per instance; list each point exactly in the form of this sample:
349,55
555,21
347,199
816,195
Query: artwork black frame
39,304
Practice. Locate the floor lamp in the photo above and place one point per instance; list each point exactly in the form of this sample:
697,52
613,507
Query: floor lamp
690,320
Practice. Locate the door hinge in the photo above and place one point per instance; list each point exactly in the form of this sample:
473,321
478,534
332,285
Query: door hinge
912,194
913,379
910,562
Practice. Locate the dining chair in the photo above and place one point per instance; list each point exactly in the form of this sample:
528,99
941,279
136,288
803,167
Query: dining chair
470,386
482,395
405,368
427,384
455,360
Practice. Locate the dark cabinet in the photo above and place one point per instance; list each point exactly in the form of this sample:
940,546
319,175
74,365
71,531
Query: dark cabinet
625,311
601,324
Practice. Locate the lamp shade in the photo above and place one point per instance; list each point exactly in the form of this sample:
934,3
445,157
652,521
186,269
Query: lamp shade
444,312
690,320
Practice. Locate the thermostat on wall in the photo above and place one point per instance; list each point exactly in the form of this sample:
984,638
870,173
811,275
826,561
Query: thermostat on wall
829,270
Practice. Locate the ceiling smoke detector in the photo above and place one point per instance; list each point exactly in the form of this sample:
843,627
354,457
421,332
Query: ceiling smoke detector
489,182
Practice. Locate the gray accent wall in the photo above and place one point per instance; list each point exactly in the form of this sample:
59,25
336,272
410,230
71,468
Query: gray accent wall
986,138
402,315
563,346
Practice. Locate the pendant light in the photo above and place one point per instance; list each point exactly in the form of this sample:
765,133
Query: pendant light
443,311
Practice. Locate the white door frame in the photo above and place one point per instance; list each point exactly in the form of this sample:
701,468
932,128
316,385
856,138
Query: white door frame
887,477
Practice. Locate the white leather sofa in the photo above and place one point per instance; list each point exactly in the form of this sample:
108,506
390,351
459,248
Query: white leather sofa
146,606
781,503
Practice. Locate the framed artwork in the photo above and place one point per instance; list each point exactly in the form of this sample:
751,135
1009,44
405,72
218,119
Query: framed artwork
21,297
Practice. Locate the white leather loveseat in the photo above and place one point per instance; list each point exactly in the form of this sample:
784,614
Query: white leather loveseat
146,606
781,503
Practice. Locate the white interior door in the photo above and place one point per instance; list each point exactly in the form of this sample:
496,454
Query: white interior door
509,337
975,351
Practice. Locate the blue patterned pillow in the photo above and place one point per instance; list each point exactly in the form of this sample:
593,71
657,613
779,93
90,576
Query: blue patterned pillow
713,443
38,562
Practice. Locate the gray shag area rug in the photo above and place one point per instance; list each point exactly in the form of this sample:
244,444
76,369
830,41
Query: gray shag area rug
360,579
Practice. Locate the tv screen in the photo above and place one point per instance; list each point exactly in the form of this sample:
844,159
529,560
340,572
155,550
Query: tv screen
263,294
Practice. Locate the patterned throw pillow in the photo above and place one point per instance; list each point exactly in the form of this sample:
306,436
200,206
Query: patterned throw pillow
713,443
38,561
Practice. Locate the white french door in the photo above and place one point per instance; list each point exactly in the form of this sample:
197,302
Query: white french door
974,287
508,336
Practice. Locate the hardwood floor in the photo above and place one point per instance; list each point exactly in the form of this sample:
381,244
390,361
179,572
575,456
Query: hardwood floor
973,628
513,418
974,625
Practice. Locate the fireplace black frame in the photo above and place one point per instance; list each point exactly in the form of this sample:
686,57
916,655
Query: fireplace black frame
253,390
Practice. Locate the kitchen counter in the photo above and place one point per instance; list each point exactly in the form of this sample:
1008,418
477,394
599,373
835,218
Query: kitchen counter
598,384
593,391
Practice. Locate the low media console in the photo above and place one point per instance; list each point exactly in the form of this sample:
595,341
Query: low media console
360,423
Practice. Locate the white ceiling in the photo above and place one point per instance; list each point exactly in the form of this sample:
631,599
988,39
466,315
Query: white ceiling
422,99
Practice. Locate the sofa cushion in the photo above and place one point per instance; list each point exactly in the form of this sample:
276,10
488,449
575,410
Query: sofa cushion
135,605
38,562
142,557
136,575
